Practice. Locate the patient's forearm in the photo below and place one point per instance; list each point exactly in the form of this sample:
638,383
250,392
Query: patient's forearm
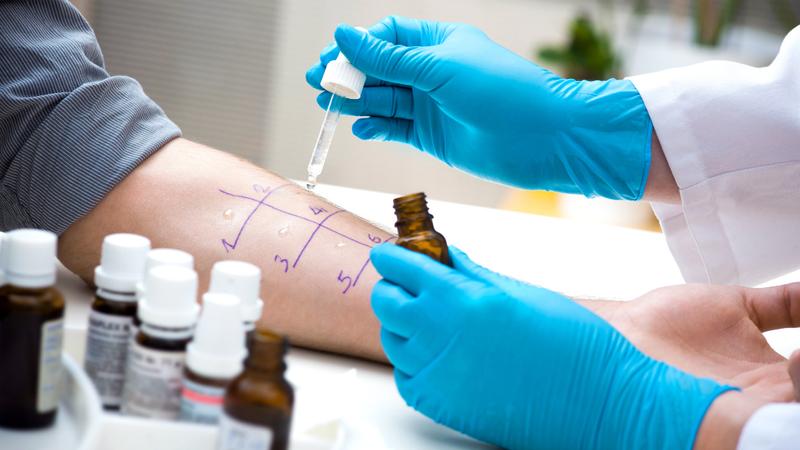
314,255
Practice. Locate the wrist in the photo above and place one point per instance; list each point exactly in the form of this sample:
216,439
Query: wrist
723,423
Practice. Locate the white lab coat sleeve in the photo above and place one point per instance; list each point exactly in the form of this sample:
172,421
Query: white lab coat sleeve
731,136
773,427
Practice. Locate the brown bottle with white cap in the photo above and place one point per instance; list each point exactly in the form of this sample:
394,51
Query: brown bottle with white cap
121,268
31,331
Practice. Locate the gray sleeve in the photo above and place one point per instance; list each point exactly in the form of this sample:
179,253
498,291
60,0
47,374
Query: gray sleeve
69,132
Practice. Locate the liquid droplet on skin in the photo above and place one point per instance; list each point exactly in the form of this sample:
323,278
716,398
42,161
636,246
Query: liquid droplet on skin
340,245
283,231
228,214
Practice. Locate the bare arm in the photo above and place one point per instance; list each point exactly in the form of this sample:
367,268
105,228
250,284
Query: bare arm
314,256
661,186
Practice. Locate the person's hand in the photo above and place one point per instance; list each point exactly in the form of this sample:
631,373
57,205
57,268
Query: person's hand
448,90
715,331
523,367
794,373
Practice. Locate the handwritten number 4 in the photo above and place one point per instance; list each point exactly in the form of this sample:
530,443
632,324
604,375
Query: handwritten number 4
317,211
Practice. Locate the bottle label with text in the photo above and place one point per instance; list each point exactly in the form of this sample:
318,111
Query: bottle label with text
201,403
106,354
49,386
153,383
237,435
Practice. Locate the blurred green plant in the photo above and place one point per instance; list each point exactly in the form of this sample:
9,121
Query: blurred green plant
588,55
712,18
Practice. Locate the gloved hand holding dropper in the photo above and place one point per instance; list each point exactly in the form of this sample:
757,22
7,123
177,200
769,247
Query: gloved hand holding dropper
450,91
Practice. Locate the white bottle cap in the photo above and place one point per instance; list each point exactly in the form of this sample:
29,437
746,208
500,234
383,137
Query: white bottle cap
30,259
122,262
164,257
2,259
170,297
168,257
242,280
342,78
218,347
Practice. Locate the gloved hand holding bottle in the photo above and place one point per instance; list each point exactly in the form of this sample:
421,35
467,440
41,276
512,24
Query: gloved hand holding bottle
448,90
523,367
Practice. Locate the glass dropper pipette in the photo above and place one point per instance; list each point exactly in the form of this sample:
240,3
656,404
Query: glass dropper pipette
343,81
324,139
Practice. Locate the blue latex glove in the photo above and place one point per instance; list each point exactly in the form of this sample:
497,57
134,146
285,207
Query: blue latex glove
523,367
450,91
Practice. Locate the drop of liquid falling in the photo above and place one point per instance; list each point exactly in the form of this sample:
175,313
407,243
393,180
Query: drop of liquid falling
228,214
283,231
340,245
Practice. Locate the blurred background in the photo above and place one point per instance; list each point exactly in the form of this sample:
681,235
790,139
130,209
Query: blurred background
231,73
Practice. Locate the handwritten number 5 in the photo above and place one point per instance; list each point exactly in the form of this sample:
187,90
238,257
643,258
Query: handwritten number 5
342,279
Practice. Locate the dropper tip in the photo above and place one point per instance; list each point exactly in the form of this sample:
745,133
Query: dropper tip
311,183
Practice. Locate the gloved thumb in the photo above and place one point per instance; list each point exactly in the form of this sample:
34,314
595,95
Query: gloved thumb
465,265
378,58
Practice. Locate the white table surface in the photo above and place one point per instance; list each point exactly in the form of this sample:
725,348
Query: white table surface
577,258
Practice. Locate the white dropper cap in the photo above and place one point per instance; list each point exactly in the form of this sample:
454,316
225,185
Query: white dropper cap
2,259
122,262
218,347
30,259
164,257
242,280
342,78
170,297
168,257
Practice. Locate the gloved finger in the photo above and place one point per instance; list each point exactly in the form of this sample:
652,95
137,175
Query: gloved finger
315,72
774,307
410,270
401,30
314,76
465,265
383,129
393,307
382,59
403,356
384,101
794,373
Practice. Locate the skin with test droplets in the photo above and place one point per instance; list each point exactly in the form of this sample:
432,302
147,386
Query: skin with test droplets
320,220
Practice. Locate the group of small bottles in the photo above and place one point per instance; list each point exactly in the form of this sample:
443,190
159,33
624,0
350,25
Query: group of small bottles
152,352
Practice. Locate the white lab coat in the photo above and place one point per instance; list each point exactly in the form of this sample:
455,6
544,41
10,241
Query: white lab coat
731,135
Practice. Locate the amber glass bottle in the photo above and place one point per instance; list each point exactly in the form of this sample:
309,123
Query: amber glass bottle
415,228
113,309
257,411
31,329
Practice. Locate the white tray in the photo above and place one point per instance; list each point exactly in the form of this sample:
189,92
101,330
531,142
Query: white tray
82,424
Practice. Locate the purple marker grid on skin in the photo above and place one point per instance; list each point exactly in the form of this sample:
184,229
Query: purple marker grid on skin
261,200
